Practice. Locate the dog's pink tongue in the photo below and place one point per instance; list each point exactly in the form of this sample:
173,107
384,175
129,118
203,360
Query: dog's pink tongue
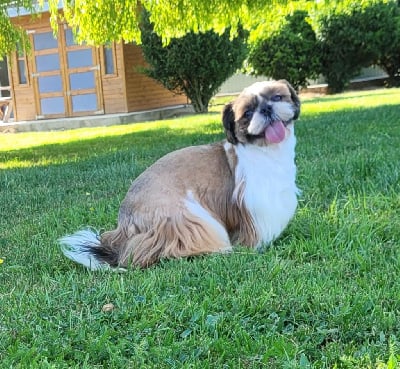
275,132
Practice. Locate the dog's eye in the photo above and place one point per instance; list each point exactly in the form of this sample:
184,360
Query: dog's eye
248,114
276,98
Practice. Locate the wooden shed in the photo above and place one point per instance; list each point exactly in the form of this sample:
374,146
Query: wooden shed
59,78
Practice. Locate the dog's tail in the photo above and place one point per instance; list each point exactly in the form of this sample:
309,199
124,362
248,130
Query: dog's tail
84,247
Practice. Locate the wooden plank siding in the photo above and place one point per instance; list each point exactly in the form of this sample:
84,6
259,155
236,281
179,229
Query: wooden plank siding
114,85
144,93
25,108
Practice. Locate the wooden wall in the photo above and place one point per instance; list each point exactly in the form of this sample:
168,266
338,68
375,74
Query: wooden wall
114,86
24,106
144,93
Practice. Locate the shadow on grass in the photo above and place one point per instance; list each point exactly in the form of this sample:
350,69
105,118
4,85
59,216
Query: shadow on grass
77,176
152,143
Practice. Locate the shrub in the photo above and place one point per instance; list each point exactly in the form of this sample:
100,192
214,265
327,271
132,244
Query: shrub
388,40
358,37
195,65
290,52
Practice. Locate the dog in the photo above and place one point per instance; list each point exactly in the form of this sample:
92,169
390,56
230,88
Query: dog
204,199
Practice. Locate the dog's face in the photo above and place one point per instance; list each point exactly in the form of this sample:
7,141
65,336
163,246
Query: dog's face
261,113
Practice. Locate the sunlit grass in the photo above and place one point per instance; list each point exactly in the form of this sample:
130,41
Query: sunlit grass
33,139
352,100
52,141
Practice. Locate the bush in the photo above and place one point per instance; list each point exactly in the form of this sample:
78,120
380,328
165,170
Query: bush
388,41
361,36
195,65
290,52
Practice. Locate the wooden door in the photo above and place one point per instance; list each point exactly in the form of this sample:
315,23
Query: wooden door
66,76
82,70
48,78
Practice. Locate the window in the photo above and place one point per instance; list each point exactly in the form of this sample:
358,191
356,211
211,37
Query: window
52,105
82,81
21,64
47,63
4,81
79,58
85,102
70,38
109,59
44,41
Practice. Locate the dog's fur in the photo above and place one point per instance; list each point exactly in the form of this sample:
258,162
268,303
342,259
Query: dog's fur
203,199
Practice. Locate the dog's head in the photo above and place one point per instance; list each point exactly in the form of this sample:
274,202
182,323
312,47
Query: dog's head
261,113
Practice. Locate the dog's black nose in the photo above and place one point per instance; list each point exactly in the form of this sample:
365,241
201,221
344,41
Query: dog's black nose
266,109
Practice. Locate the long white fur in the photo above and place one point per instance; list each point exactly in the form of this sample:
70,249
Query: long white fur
75,247
283,110
270,192
195,208
257,123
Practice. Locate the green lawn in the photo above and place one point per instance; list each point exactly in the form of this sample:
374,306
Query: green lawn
325,295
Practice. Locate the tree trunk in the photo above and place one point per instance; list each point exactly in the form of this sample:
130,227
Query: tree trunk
199,101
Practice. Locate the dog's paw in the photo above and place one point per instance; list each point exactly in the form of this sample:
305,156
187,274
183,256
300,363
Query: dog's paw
226,250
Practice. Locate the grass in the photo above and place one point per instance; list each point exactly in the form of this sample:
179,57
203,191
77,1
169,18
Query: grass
325,295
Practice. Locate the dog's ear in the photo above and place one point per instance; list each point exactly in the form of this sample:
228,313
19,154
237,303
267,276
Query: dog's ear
228,120
294,97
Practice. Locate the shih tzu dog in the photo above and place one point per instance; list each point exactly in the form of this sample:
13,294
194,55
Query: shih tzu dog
204,199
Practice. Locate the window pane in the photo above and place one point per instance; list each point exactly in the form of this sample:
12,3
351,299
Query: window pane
44,41
80,58
4,81
80,81
21,72
69,37
45,63
109,60
52,105
87,102
50,84
5,93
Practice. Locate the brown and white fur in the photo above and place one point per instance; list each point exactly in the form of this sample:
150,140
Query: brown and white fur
203,199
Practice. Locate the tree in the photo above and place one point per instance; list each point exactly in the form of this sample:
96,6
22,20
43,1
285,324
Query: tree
102,21
195,64
289,53
98,22
355,37
10,35
387,40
